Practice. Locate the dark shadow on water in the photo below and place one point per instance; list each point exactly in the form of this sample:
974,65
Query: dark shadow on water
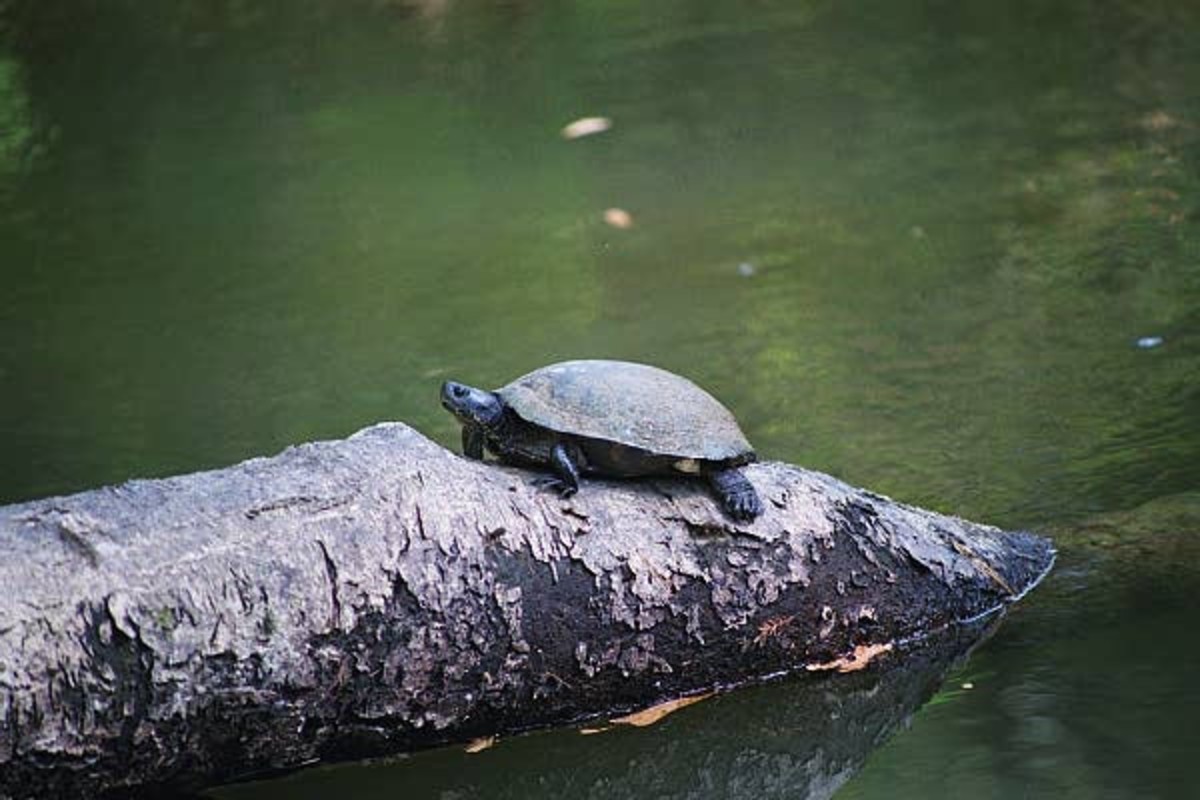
798,738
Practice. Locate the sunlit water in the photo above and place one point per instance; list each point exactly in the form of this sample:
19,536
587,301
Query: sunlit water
914,244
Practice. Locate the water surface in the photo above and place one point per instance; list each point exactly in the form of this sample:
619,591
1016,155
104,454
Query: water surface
911,243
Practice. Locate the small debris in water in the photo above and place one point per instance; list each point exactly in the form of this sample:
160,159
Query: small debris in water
746,269
480,744
586,126
651,715
917,232
968,685
1149,342
1158,121
618,218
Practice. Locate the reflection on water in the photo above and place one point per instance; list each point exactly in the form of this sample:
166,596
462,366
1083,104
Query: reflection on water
800,738
228,227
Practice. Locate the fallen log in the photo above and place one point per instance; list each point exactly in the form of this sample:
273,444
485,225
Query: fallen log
380,594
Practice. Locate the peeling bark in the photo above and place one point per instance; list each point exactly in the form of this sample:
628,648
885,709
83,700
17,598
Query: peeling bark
379,594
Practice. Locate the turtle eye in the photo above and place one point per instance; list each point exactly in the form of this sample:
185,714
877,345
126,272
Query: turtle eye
459,391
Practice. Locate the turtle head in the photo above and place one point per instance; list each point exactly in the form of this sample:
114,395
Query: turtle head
472,406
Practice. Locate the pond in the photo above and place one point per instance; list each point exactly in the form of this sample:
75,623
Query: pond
946,251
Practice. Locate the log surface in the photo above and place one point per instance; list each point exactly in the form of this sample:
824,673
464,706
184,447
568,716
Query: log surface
380,594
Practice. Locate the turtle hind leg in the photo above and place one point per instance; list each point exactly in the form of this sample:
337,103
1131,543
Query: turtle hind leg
736,493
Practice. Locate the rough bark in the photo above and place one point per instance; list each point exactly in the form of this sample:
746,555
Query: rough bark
378,594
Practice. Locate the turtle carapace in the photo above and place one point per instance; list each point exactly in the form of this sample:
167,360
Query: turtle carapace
612,419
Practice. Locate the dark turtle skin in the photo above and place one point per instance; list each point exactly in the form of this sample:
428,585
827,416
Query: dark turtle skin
609,419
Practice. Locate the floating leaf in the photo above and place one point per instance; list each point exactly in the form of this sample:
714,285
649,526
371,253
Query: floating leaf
618,218
653,714
592,731
863,654
586,126
482,743
1158,121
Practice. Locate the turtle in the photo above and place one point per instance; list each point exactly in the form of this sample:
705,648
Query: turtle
614,419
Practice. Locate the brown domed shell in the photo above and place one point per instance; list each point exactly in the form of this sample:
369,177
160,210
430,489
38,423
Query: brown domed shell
632,404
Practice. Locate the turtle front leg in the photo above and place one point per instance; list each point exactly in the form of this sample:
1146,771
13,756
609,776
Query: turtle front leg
564,461
472,442
736,494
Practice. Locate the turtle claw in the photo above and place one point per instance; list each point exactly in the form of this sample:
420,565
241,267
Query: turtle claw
554,484
737,494
743,506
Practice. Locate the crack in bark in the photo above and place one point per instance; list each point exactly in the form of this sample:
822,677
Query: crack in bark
303,501
212,638
75,542
708,530
331,573
420,522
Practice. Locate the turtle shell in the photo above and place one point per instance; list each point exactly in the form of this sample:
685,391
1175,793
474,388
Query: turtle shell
631,404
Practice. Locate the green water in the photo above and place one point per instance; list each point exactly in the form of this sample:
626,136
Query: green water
911,243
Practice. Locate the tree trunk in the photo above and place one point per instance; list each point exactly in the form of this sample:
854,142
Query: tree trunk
379,594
